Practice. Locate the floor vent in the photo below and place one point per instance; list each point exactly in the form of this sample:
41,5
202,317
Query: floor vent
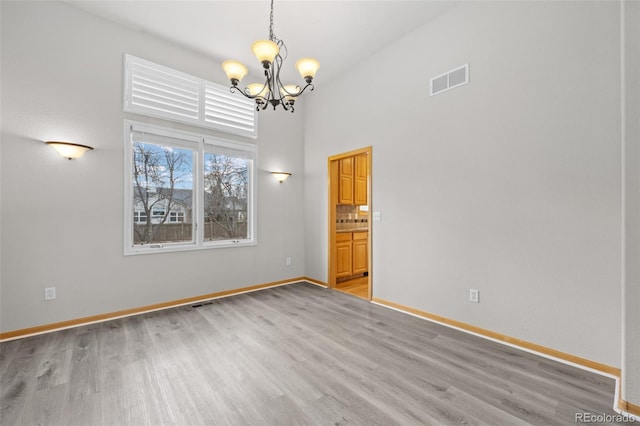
201,304
454,78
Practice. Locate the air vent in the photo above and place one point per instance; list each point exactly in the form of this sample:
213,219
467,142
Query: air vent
454,78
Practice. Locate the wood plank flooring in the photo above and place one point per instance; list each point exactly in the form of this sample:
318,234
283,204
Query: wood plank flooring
291,355
357,286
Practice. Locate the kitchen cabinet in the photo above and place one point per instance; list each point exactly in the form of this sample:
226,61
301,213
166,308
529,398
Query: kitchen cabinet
352,254
345,180
352,180
344,249
360,250
360,181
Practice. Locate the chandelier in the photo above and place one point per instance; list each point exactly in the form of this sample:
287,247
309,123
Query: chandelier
272,91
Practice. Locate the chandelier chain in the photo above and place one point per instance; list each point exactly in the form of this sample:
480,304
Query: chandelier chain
272,37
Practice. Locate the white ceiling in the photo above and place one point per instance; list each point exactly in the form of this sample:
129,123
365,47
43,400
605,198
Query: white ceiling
337,33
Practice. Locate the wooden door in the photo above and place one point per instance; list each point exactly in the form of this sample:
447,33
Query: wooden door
341,172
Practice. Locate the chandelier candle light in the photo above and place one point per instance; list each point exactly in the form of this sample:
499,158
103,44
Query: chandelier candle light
272,91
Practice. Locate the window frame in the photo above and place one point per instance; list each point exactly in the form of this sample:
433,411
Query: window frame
200,144
226,147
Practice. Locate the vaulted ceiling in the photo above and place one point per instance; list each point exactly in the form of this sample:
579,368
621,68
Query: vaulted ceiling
337,33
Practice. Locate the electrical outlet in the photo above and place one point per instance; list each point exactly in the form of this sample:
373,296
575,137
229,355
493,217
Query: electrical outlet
474,295
287,261
49,293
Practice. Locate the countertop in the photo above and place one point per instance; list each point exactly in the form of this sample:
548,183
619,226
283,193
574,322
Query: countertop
342,231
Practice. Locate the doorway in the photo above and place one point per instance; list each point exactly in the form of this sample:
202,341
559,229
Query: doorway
350,260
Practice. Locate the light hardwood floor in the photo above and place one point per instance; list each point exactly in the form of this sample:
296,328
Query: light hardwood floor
295,354
357,286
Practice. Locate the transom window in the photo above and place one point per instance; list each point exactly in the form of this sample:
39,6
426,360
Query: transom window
186,191
157,91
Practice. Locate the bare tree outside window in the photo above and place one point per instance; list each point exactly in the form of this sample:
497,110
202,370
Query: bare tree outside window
226,193
162,188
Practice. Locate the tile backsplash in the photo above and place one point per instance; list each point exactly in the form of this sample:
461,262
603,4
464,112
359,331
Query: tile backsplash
351,218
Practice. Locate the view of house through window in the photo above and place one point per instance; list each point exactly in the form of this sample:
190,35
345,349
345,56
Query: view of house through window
178,181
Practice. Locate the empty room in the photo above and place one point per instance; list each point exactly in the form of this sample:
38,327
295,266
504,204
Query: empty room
319,212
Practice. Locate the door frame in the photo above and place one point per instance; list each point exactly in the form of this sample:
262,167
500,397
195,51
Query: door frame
332,167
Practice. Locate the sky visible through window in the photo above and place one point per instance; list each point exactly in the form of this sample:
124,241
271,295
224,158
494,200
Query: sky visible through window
159,166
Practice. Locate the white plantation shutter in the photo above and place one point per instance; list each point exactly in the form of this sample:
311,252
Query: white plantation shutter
164,91
158,91
228,110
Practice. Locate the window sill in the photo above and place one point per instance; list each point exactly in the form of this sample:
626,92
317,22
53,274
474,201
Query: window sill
173,247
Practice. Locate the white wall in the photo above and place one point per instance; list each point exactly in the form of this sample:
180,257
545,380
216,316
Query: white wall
509,185
631,288
62,221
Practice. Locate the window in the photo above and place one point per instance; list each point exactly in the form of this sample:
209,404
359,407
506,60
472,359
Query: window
176,217
157,91
139,216
226,188
161,179
157,215
186,191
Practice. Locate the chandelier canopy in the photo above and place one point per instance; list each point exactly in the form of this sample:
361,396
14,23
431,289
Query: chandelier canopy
272,91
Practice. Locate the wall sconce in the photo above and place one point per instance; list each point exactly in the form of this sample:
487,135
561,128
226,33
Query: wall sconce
281,176
69,150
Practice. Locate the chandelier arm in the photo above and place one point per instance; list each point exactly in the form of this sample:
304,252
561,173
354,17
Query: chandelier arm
282,48
304,88
236,89
277,65
243,92
266,84
273,84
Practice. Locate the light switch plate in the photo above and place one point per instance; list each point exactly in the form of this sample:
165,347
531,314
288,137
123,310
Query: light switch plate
377,216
